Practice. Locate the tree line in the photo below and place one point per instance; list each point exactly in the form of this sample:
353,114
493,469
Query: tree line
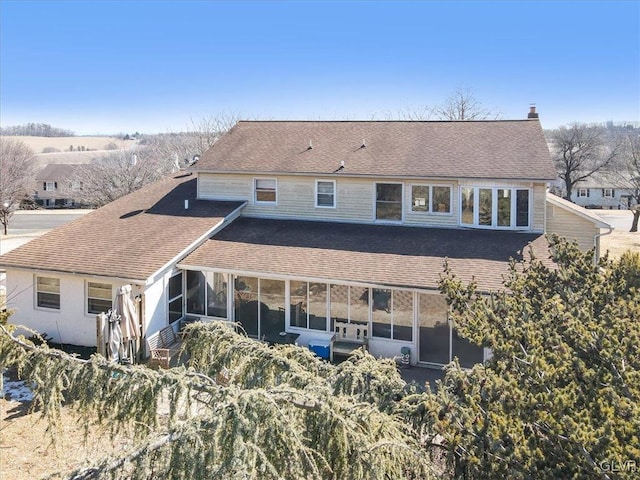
36,130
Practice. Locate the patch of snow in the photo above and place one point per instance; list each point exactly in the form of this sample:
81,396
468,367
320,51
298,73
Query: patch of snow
18,391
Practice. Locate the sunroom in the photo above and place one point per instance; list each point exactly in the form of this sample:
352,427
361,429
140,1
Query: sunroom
276,276
309,309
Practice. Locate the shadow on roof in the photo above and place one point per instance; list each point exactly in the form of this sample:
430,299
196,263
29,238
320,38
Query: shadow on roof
385,239
173,203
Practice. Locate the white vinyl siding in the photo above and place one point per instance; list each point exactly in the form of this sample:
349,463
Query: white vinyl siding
571,226
296,197
355,199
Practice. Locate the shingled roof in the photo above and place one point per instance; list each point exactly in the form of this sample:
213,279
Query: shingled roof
502,149
387,255
130,238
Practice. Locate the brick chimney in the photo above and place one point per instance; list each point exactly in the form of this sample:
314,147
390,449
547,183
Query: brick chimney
532,111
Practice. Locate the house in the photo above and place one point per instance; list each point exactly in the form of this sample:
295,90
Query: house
295,226
606,190
55,186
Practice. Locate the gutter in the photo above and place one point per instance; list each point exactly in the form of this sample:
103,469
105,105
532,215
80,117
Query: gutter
596,243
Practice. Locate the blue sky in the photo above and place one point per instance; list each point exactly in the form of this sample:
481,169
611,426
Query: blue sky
151,66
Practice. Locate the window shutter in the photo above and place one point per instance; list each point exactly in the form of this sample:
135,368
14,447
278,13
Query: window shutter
55,185
613,193
587,192
44,186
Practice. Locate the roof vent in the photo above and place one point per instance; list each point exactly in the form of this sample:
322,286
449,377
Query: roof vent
532,111
342,163
364,143
310,147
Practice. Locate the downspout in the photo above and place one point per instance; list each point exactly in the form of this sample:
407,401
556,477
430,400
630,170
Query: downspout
596,244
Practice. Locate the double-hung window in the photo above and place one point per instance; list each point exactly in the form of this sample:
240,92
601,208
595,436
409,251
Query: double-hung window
265,190
431,198
50,186
583,192
607,192
503,208
389,202
99,297
325,193
48,292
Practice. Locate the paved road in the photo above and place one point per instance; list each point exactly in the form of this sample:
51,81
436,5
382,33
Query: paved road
32,221
619,219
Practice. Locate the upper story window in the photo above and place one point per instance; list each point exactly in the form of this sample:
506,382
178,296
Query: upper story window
48,292
389,201
99,297
325,193
607,192
50,186
265,190
583,192
495,207
431,198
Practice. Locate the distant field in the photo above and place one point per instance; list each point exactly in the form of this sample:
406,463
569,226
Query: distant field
38,144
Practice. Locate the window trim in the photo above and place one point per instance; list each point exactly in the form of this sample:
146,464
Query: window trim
375,203
430,211
36,291
50,186
333,193
86,296
513,224
583,192
607,193
255,191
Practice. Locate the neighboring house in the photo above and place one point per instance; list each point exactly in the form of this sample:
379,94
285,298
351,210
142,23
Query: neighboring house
294,226
602,191
55,186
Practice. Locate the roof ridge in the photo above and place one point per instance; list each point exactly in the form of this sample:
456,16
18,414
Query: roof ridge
390,121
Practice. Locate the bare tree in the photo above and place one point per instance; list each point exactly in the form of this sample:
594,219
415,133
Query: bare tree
179,149
17,170
115,175
460,105
121,172
209,129
627,173
581,150
463,105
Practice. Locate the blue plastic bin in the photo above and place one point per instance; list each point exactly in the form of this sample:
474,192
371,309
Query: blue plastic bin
320,347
